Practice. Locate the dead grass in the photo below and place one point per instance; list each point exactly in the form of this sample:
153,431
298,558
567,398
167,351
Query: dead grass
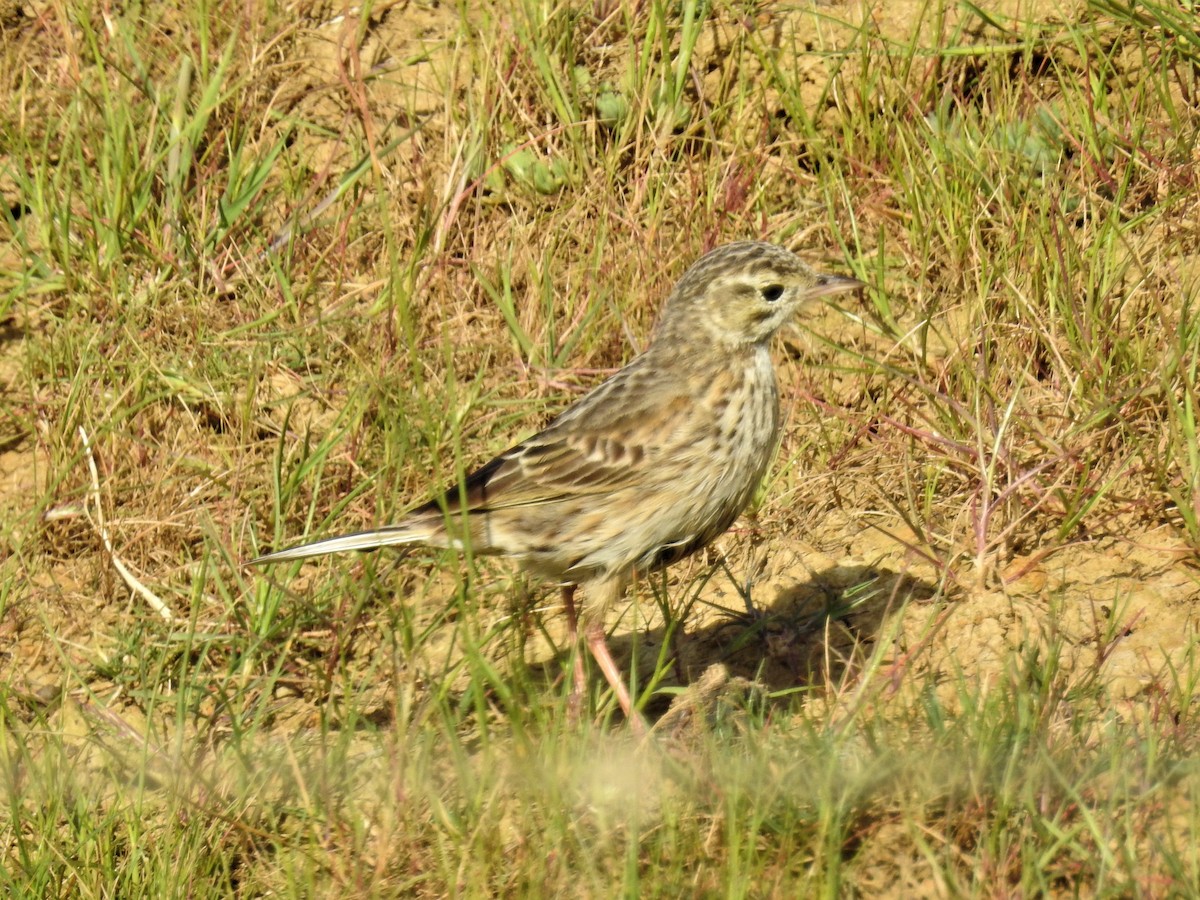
288,269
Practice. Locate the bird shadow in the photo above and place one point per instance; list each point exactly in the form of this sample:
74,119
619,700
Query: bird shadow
807,632
813,632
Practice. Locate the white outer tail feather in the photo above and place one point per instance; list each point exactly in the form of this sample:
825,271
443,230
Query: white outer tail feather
360,540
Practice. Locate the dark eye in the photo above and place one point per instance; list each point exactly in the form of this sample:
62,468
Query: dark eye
772,292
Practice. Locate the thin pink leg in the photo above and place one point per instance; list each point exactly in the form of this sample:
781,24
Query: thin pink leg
599,647
579,688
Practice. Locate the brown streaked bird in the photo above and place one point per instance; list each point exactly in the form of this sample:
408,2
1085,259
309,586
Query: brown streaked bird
648,467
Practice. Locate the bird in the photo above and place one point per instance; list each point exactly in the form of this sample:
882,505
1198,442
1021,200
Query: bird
645,469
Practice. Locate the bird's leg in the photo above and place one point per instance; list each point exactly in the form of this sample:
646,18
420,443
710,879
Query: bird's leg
601,596
579,688
599,647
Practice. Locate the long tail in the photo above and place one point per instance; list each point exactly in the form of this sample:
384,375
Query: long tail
388,536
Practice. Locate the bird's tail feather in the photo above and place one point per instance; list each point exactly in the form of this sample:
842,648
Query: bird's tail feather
390,536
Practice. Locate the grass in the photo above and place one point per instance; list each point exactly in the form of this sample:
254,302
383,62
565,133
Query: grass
286,271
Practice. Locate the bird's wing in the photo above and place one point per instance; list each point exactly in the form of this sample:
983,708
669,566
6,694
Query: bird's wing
611,439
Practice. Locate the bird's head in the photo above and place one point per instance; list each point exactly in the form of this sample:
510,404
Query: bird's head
741,294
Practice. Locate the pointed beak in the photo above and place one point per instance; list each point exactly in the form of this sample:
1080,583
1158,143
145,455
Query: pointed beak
834,284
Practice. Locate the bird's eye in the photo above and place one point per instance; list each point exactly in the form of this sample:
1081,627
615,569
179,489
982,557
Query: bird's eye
772,292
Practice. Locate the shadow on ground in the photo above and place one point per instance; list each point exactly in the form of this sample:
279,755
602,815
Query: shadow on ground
810,632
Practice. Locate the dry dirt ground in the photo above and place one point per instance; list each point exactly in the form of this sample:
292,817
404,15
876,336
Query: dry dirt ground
1125,602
